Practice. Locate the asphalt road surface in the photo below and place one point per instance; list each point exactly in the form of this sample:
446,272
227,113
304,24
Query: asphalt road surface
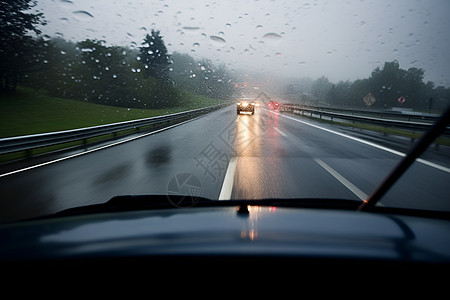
227,156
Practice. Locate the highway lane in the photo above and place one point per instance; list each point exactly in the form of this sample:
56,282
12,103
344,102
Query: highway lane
237,156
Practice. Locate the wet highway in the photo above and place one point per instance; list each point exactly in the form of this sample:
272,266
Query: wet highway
224,156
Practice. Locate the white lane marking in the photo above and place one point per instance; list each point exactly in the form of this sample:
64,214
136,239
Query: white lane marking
92,150
360,194
227,185
280,132
423,161
433,165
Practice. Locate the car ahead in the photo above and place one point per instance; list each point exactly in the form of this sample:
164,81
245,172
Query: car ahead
245,105
273,105
168,233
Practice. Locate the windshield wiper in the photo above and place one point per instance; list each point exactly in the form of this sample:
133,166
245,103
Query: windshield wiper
407,161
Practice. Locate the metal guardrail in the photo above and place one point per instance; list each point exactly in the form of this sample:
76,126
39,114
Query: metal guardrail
390,114
29,142
410,125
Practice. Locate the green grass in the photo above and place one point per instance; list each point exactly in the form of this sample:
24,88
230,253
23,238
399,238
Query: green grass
29,112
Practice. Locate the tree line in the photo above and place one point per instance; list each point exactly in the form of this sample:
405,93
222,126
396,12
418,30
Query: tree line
387,87
92,71
120,76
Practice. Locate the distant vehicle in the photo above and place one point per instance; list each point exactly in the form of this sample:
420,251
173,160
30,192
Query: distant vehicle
273,104
245,105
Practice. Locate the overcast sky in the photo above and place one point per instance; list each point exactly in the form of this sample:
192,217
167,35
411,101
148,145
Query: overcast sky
338,39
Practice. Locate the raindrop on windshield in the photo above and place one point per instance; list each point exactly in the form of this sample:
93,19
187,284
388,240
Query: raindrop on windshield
218,41
65,3
82,15
272,36
191,28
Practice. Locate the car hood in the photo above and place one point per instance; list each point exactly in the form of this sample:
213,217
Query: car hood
232,230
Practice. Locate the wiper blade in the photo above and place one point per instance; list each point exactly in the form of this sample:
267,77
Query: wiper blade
407,161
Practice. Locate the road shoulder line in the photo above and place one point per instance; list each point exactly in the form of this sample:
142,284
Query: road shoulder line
92,150
423,161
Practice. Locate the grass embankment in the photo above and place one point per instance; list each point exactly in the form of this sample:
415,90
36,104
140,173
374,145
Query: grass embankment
27,112
30,112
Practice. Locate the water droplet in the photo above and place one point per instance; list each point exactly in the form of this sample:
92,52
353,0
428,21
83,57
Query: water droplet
218,41
83,15
228,25
195,45
191,28
272,36
65,3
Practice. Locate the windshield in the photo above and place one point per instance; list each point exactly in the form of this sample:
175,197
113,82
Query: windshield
305,99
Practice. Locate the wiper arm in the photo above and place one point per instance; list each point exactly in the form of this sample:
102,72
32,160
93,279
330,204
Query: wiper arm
407,161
